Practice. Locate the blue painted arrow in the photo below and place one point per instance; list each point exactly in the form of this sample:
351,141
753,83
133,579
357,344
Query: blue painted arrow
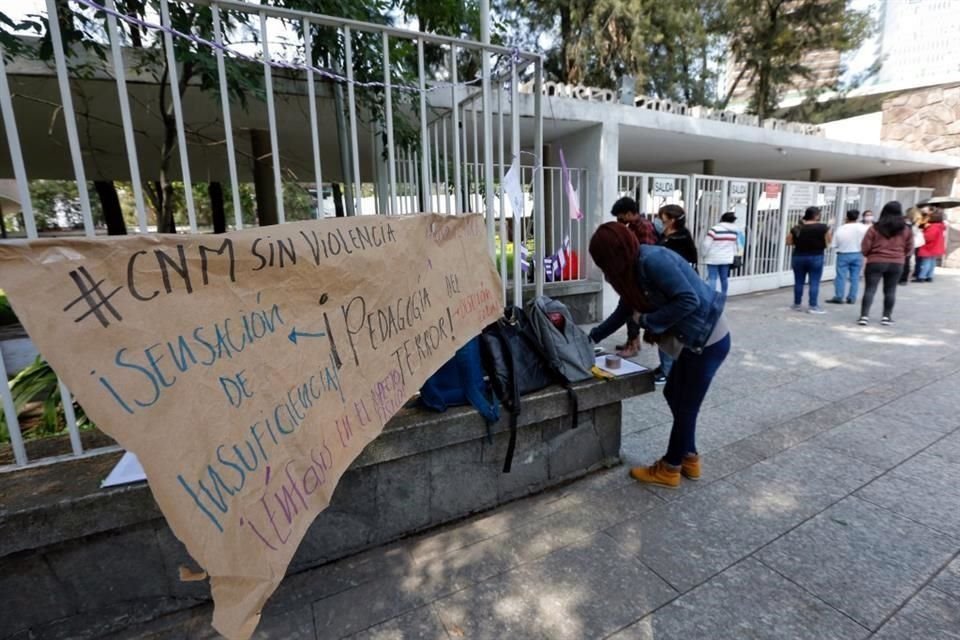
294,334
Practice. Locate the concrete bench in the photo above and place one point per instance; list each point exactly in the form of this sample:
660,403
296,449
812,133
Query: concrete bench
78,561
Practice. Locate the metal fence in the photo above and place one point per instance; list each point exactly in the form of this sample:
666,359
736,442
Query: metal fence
767,209
431,133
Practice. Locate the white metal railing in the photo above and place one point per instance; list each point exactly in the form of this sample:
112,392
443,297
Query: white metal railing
767,209
439,166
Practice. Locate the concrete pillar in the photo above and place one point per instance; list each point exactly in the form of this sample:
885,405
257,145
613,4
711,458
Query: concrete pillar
814,175
709,167
263,182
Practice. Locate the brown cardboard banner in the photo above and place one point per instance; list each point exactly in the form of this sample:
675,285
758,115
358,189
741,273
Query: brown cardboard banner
248,370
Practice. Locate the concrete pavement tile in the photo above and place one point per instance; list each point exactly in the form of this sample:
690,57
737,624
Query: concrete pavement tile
881,441
859,558
948,580
419,624
692,538
519,513
587,590
747,600
936,412
833,385
920,492
930,614
292,625
364,606
808,477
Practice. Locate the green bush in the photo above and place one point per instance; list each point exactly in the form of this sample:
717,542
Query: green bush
7,316
38,383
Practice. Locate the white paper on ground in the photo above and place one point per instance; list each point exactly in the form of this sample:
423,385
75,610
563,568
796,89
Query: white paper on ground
128,470
626,367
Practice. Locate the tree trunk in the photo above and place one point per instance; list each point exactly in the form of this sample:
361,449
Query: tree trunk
218,212
337,199
566,34
110,202
263,181
3,225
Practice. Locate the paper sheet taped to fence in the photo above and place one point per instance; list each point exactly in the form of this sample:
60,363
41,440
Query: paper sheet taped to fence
248,370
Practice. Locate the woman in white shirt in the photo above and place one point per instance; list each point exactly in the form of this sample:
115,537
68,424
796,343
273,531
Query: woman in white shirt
722,244
847,241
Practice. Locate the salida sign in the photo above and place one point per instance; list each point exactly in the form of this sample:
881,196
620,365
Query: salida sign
248,370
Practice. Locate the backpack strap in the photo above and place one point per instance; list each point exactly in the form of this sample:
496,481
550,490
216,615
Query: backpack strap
515,409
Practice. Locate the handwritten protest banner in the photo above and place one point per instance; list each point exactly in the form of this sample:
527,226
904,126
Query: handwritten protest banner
248,370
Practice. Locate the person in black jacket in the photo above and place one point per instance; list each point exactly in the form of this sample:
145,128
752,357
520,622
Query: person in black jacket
674,234
671,223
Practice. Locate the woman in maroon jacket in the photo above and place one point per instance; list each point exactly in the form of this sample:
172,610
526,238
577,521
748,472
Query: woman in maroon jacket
886,247
935,246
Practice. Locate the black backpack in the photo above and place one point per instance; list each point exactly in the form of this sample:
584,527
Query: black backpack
516,364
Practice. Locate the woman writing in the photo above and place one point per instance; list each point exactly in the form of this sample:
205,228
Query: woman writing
680,314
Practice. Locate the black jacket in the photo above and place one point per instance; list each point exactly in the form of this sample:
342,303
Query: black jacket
681,242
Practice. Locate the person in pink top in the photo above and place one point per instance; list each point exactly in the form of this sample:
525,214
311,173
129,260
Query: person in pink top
886,247
934,247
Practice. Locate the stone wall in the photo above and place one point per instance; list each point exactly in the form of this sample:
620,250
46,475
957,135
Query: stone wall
924,120
929,120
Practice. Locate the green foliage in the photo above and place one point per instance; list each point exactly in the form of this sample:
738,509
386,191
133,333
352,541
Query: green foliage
7,316
771,39
38,383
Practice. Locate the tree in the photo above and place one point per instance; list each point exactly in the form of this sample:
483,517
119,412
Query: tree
669,48
771,40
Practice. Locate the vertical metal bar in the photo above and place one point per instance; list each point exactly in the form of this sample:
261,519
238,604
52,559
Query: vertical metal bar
314,128
16,154
488,148
464,150
436,158
539,226
414,192
446,169
228,120
174,76
455,123
69,119
503,200
352,106
119,71
515,155
67,400
476,158
388,114
9,410
424,135
272,119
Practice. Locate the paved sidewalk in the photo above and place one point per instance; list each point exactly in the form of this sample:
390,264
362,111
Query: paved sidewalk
829,509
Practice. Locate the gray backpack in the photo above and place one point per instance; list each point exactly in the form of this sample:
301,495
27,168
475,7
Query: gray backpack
568,352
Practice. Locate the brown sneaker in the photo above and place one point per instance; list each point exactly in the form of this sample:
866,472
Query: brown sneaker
690,466
659,473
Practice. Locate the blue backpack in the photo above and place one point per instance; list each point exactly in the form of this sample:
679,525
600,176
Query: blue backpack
459,382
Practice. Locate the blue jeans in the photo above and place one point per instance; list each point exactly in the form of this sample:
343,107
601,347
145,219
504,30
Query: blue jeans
686,388
927,266
804,266
718,270
666,363
848,267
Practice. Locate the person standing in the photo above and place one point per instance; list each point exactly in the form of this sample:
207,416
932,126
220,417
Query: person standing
682,314
934,246
627,213
847,242
722,244
675,236
913,217
886,246
867,217
809,240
